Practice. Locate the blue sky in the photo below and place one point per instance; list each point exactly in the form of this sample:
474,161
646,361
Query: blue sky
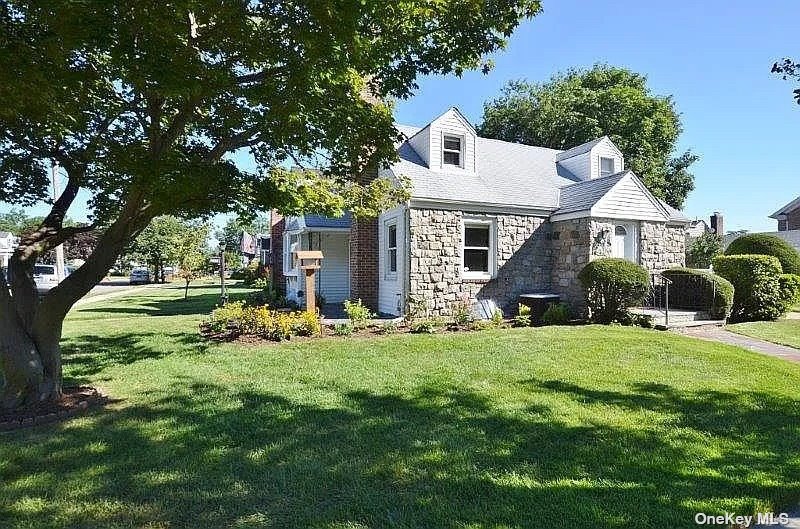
713,57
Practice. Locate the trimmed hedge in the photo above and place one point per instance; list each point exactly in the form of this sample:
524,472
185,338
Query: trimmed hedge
612,285
790,289
700,290
763,244
757,292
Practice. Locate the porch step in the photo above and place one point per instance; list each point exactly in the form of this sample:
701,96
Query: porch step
677,318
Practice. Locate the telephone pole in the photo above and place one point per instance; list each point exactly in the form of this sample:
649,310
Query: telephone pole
60,270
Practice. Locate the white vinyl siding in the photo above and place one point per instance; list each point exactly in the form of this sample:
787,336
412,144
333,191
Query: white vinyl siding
579,165
451,123
421,142
391,290
627,200
605,149
333,278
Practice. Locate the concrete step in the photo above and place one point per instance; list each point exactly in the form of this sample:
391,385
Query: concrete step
677,317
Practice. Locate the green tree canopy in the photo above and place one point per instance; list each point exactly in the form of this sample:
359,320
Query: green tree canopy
580,105
146,104
789,69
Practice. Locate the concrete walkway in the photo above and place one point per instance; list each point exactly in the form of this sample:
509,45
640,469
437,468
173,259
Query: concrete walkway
718,334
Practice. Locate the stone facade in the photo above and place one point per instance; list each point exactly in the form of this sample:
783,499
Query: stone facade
523,260
533,255
661,246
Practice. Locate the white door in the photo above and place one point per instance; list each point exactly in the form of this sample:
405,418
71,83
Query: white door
623,242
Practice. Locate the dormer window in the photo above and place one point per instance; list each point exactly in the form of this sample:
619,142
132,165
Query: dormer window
452,150
606,166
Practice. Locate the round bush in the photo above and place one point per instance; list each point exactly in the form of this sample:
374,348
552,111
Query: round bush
700,290
763,244
756,282
612,285
790,289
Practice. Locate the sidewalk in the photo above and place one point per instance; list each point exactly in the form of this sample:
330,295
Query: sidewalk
718,334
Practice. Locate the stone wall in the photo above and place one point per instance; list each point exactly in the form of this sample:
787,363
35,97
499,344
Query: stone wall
661,246
523,260
533,255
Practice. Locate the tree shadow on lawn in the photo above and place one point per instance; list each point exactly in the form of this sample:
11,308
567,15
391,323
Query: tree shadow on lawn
204,456
196,304
86,355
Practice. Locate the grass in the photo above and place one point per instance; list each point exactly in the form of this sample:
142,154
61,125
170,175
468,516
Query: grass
553,427
784,332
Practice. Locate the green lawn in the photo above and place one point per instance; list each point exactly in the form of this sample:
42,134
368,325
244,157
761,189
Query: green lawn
784,332
573,427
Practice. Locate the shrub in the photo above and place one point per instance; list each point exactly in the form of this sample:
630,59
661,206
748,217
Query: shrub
425,326
261,321
612,285
556,314
763,244
755,279
703,249
390,327
358,314
222,317
521,320
462,313
790,290
343,329
700,290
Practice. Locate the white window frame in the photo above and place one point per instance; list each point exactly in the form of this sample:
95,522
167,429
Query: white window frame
462,141
288,269
491,223
387,225
613,165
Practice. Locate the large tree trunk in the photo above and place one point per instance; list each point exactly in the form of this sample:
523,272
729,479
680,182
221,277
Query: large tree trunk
30,328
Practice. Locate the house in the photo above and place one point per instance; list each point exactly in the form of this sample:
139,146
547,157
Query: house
7,245
788,216
488,220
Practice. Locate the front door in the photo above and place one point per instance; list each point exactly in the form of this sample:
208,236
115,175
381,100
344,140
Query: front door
623,242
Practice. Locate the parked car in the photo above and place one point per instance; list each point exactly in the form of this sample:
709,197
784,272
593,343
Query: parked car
45,277
140,276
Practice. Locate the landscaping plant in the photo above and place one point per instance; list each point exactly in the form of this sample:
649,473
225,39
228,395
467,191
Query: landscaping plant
613,285
700,290
556,314
757,288
702,250
763,244
358,314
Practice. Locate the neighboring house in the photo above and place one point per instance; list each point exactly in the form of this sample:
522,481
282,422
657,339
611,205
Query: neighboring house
488,220
788,216
7,245
697,228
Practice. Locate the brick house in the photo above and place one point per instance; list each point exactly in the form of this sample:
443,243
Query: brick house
487,221
788,216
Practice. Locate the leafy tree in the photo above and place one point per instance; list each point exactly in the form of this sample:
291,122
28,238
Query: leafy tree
581,105
143,105
191,251
703,249
158,243
789,69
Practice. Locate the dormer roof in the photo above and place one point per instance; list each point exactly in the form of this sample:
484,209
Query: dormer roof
585,147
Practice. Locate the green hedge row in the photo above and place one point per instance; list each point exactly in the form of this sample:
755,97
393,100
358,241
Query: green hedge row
757,286
700,290
612,285
763,244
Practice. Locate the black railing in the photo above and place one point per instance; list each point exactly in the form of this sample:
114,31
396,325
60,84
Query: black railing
658,296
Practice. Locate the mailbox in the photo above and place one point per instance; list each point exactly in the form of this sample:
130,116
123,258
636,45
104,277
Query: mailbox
309,261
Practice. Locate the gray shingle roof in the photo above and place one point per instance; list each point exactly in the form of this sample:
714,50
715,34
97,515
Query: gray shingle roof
580,149
583,195
506,173
675,215
311,221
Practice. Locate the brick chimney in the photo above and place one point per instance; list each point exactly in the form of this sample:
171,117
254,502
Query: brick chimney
364,255
716,224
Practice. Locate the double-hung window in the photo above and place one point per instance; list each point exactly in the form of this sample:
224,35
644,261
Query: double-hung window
478,252
452,150
606,166
391,249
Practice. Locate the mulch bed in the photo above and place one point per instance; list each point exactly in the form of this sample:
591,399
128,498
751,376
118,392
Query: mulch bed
74,401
